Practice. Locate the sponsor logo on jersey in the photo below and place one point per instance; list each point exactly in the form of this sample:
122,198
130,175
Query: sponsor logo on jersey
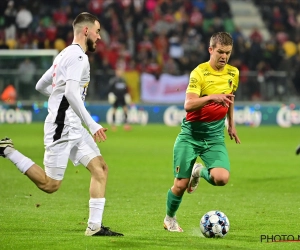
192,86
193,80
231,72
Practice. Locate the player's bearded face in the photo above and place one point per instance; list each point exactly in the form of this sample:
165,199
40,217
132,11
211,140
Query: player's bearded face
90,44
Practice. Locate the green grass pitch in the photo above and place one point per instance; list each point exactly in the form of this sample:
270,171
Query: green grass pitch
261,198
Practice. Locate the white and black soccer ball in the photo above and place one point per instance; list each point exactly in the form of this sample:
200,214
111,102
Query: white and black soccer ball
214,224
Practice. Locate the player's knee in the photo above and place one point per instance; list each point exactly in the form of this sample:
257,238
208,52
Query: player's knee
180,185
220,176
98,168
101,172
221,182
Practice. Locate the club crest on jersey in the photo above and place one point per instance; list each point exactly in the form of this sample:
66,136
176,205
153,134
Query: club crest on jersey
80,58
230,83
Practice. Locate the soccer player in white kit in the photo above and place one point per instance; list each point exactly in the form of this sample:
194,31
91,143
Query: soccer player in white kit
66,84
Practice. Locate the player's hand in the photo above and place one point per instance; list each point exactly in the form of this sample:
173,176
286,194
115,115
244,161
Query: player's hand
223,99
100,135
233,134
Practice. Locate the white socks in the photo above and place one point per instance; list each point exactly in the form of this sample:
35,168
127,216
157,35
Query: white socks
96,206
22,162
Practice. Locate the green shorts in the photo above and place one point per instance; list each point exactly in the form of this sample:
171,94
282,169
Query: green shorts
212,152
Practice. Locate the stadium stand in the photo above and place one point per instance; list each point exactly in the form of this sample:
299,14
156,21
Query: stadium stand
164,36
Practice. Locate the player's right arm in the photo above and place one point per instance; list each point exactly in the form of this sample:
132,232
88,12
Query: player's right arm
193,101
72,93
44,85
75,64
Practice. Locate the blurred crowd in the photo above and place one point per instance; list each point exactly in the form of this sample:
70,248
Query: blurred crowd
157,36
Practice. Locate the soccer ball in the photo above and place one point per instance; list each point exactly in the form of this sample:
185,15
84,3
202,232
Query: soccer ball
214,224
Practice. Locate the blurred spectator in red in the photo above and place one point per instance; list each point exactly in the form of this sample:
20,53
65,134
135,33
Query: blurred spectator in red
51,34
24,41
40,35
9,95
60,17
277,19
256,35
96,7
196,17
150,5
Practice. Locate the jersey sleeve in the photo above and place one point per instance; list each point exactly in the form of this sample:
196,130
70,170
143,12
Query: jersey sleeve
236,80
74,67
44,85
73,96
195,82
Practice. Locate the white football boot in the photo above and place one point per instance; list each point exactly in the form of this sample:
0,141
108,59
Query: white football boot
195,178
5,143
171,224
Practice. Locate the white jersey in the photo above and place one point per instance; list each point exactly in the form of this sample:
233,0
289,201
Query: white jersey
70,64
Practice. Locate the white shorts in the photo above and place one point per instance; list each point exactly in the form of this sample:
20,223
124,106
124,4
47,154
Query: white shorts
62,143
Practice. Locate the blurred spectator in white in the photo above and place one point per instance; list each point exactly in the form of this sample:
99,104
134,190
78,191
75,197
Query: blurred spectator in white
165,25
23,19
26,71
191,41
175,47
10,21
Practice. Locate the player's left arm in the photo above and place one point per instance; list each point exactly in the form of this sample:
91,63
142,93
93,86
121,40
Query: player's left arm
231,126
44,85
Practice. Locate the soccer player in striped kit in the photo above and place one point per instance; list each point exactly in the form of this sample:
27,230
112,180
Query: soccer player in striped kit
65,138
209,100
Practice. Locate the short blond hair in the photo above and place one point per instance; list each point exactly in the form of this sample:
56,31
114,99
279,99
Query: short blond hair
223,38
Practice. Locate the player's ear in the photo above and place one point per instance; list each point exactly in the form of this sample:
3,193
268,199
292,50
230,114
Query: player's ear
86,29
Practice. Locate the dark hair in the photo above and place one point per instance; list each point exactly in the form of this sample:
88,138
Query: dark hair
222,38
85,17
